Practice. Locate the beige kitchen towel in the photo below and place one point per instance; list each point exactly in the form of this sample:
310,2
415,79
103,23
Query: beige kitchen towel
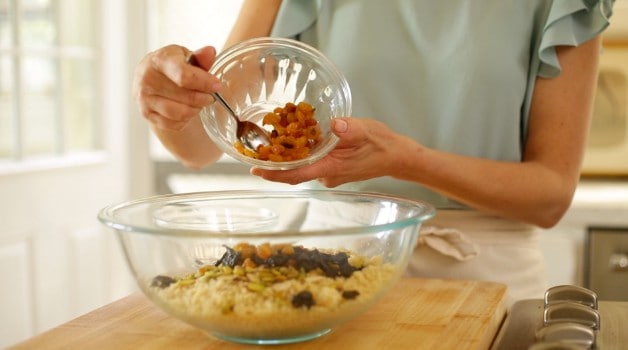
448,241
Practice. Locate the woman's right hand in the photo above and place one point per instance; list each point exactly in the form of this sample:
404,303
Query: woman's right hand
169,91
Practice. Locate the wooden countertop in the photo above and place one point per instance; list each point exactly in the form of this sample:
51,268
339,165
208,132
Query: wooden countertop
415,314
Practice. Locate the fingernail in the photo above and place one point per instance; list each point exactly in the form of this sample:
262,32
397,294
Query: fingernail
340,125
211,48
216,86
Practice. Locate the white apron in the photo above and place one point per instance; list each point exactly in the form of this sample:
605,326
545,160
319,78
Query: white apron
467,244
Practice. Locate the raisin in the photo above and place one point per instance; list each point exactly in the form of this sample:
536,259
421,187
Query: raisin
331,265
162,281
231,258
350,294
303,298
278,260
294,132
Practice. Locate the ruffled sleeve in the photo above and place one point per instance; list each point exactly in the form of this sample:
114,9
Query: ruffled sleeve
570,22
294,17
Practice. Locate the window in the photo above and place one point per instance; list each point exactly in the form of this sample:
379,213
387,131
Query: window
49,78
190,23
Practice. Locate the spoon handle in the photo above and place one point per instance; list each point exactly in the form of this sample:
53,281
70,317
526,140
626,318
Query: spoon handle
191,59
219,98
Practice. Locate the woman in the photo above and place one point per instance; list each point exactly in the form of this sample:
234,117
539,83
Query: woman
480,107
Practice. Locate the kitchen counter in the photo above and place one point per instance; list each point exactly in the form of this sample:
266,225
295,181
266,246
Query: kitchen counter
416,314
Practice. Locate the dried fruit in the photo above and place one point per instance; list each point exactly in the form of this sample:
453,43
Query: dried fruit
303,298
295,132
260,267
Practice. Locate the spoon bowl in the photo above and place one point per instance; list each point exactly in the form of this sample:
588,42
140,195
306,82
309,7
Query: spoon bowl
250,134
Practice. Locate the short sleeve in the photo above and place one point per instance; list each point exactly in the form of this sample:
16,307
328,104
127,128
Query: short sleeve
570,22
294,17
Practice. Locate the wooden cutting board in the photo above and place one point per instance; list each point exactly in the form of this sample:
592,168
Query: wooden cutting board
415,314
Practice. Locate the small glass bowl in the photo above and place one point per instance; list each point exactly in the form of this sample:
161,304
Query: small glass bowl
261,74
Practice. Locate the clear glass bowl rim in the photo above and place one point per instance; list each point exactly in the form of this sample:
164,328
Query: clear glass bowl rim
108,215
238,49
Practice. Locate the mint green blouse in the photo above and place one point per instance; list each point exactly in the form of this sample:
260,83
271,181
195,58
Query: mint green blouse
455,75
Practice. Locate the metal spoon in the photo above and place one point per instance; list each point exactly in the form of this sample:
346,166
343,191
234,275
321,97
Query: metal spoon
250,134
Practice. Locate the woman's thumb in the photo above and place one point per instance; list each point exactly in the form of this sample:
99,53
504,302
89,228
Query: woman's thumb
340,125
347,129
205,56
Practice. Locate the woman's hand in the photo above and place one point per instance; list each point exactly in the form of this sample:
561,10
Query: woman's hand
367,149
537,190
170,92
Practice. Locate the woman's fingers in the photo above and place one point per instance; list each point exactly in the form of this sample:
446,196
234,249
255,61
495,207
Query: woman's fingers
170,92
171,62
363,143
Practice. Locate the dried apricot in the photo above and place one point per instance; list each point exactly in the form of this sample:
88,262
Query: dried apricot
295,132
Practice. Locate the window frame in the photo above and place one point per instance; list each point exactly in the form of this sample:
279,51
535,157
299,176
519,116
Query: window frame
60,155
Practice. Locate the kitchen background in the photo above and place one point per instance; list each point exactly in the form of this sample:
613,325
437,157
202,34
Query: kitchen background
71,141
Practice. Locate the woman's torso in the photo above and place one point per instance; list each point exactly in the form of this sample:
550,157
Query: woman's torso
456,76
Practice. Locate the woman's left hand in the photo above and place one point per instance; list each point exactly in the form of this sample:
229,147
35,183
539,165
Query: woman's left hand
366,149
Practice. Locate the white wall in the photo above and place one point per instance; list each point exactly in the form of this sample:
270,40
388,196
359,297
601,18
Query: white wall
56,260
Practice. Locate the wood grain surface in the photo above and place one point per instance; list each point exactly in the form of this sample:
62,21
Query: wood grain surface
415,314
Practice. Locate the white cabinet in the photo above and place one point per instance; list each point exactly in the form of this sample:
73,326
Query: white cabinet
56,260
16,304
52,277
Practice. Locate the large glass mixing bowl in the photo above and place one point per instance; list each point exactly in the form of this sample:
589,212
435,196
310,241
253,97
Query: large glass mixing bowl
265,267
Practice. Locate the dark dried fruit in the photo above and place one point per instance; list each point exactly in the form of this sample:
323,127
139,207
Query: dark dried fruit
332,265
350,294
303,298
231,258
162,281
277,260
